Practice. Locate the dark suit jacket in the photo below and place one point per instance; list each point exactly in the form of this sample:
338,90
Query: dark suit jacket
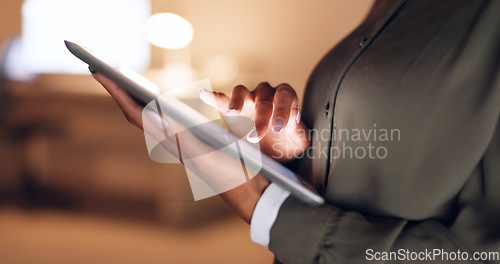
430,70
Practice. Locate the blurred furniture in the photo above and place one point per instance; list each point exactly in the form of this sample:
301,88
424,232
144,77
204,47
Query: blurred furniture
78,151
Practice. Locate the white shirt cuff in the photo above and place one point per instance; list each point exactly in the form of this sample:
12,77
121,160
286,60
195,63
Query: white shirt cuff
265,213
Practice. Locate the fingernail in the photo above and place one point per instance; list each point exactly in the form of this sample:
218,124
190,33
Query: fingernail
232,108
297,119
91,70
277,125
95,77
253,135
201,89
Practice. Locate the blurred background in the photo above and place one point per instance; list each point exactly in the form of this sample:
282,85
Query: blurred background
76,181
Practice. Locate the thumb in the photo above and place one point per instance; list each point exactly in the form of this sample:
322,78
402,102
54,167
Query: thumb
216,100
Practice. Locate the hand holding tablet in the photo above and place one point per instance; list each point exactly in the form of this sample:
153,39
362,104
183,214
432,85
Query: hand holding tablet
207,136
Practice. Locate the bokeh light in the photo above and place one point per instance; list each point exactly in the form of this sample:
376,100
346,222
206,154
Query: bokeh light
169,31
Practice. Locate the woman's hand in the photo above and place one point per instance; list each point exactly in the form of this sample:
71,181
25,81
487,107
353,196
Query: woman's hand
278,127
242,199
130,108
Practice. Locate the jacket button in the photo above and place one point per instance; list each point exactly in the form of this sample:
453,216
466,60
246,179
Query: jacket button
327,108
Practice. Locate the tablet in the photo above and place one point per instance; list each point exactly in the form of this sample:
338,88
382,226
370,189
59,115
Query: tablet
145,92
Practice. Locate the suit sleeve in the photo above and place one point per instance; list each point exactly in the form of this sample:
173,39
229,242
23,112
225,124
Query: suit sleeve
327,234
